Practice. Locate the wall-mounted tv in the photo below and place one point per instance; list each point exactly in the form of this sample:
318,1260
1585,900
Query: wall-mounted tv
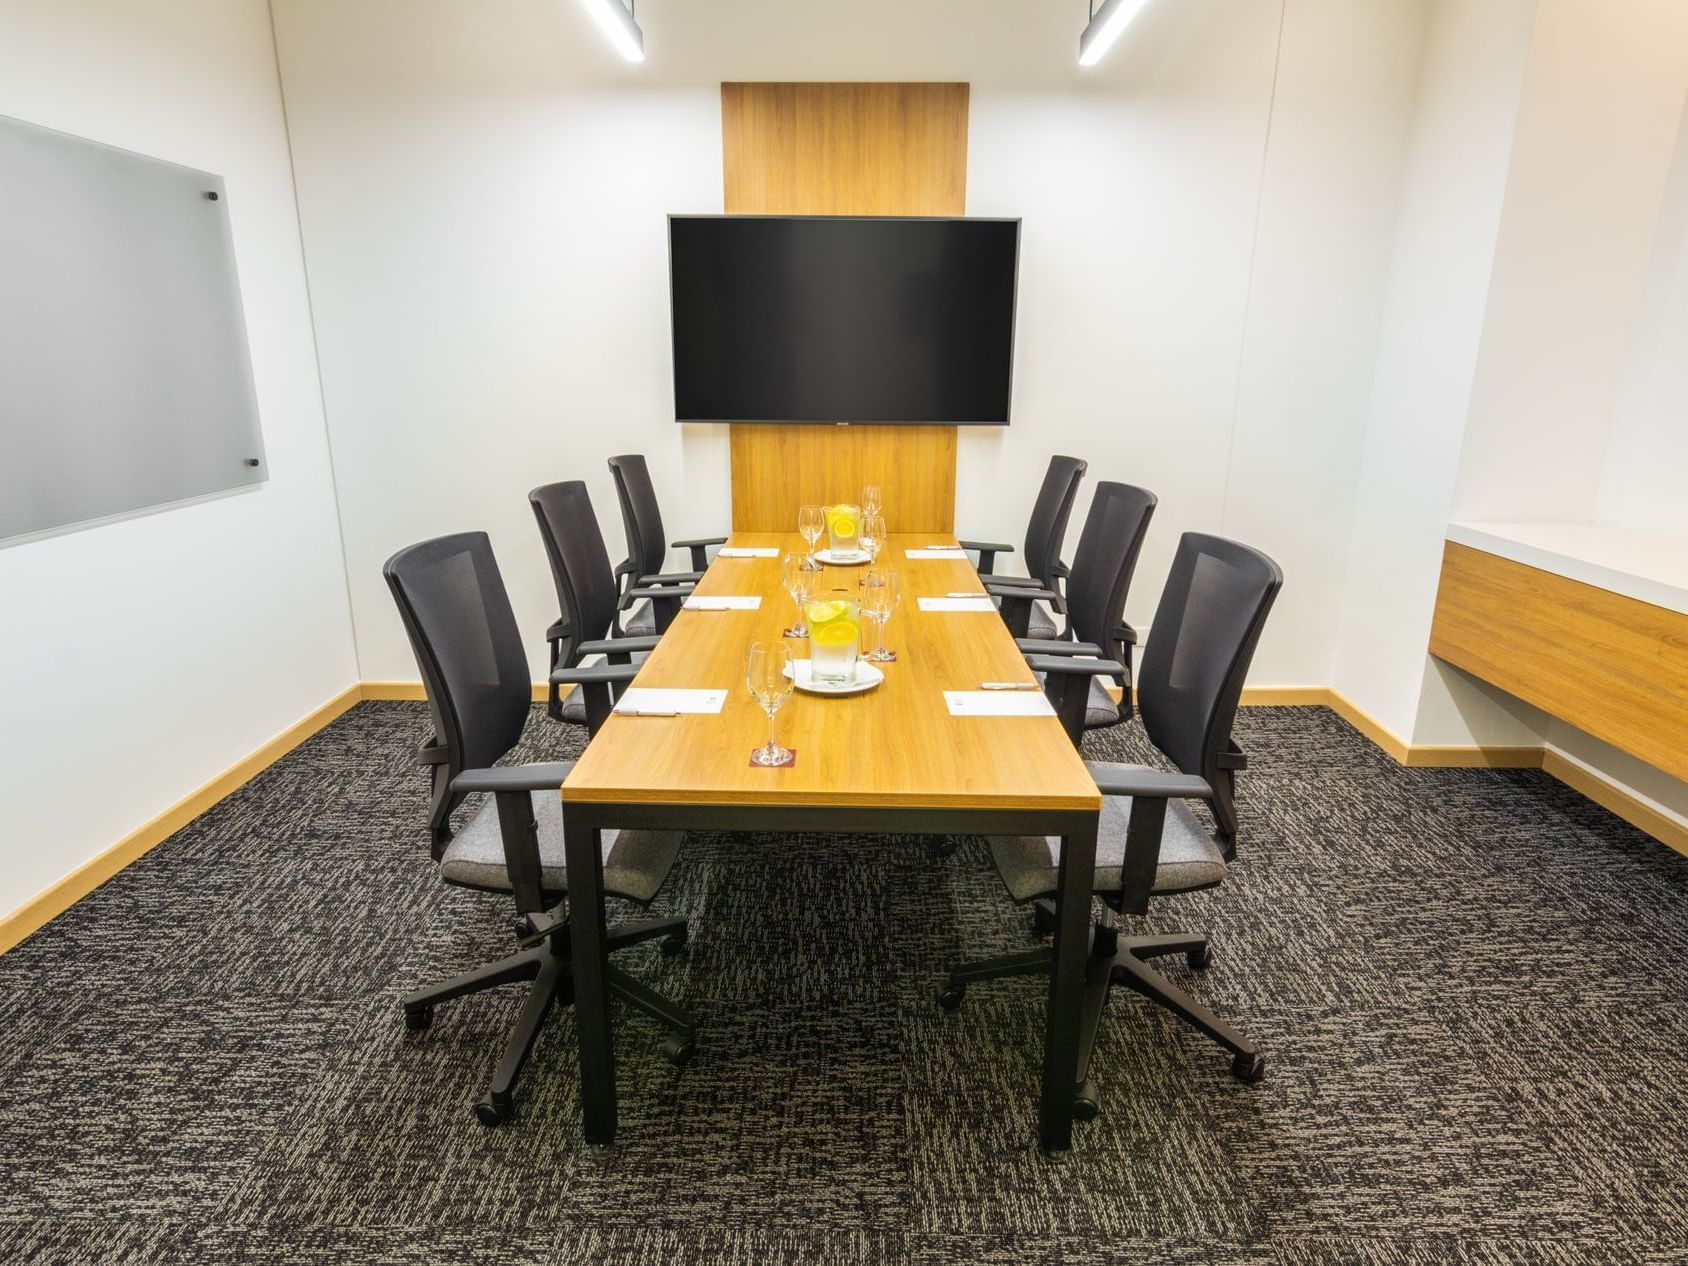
842,318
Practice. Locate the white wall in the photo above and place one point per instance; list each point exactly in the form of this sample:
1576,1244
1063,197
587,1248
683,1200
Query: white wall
1641,485
1600,110
482,191
141,658
1445,234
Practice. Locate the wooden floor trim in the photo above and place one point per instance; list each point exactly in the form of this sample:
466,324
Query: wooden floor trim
53,901
58,898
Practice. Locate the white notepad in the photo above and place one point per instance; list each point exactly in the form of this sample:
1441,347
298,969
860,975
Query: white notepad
936,551
721,603
998,703
648,700
747,551
957,604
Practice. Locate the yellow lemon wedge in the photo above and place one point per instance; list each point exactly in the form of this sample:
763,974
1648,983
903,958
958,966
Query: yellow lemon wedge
844,527
833,633
824,612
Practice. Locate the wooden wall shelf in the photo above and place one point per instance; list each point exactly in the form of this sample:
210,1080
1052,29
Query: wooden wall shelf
1610,664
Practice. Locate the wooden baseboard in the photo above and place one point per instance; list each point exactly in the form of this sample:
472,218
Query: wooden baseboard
37,911
58,898
390,690
1638,813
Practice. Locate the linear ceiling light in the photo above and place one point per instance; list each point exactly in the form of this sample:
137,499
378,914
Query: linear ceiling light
616,22
1105,27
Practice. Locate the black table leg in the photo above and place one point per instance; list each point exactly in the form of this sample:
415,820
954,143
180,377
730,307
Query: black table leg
584,858
1066,990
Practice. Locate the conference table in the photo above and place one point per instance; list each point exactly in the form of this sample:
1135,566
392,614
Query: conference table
891,760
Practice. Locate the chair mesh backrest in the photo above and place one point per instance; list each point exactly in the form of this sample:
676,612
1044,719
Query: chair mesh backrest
647,543
1046,530
580,565
461,626
1200,644
1105,560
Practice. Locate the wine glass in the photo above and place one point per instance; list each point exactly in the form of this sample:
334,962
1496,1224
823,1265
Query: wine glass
870,499
798,584
883,592
872,536
811,522
766,675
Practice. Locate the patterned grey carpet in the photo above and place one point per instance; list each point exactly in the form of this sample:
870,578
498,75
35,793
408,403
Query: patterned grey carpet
1471,985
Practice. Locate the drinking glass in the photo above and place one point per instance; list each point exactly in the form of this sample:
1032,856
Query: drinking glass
870,499
765,674
872,536
882,590
811,522
797,582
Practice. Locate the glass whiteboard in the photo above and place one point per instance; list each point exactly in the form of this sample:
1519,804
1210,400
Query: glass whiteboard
125,376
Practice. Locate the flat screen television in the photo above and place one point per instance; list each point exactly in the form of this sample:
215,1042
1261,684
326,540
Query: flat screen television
842,318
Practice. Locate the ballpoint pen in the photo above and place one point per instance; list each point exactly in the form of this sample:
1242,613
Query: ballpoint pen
1009,685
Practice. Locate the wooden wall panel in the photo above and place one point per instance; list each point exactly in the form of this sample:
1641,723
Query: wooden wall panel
843,149
1608,664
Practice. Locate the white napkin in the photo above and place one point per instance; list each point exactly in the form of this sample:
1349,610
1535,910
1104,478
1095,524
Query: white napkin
643,699
957,604
720,602
747,551
998,703
936,551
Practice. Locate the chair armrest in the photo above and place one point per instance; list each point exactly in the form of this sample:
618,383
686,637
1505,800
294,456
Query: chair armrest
558,632
1024,582
618,645
1127,634
670,578
699,546
987,551
1067,666
595,674
666,591
1123,780
1022,593
546,777
1050,646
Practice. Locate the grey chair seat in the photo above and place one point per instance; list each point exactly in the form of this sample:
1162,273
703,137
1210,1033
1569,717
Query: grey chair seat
635,862
642,623
1099,709
1041,624
574,706
1188,856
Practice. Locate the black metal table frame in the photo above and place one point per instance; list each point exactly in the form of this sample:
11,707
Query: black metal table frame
583,822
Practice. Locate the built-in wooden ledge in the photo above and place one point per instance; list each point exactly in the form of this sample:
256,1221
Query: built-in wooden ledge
1588,623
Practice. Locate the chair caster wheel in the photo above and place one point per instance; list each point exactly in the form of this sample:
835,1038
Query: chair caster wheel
1200,959
679,1051
1087,1105
673,943
418,1016
1249,1068
493,1110
951,998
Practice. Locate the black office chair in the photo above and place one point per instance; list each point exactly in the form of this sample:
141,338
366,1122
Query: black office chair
1149,842
1046,532
461,627
647,543
1095,596
586,592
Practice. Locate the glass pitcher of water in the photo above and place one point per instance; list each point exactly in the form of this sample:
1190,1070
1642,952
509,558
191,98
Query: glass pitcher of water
843,529
834,619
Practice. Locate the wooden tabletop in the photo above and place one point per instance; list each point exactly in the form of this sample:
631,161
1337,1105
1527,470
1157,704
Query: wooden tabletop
894,745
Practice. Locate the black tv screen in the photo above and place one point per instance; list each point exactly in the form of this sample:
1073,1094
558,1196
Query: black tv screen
842,319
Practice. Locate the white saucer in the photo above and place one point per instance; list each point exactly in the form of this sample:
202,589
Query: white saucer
849,558
867,677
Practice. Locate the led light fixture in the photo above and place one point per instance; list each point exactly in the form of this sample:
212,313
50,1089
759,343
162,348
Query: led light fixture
616,22
1106,26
